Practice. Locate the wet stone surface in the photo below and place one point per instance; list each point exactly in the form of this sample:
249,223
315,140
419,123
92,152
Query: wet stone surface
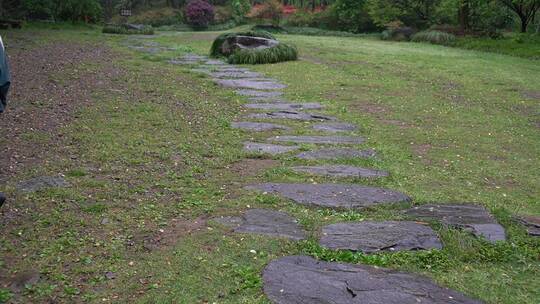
256,93
291,115
234,74
42,182
267,222
257,126
250,84
335,127
302,280
334,140
370,237
473,218
340,171
532,223
268,148
339,196
284,106
336,153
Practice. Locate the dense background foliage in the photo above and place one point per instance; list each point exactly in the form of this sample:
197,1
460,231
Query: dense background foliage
477,17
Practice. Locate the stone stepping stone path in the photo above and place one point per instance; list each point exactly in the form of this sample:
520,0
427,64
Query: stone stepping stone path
303,280
331,140
257,126
291,115
339,196
340,171
532,223
336,153
263,84
267,222
473,218
254,147
284,106
41,183
261,94
371,237
335,127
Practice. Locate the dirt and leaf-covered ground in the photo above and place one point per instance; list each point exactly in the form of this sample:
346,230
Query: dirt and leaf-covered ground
150,157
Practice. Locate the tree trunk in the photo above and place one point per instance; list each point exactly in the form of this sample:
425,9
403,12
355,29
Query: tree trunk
463,15
524,23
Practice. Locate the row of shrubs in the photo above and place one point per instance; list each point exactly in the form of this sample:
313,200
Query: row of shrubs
126,30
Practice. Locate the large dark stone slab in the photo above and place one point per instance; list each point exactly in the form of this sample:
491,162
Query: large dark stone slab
336,153
268,148
267,222
334,140
473,218
250,84
333,195
42,182
532,223
258,126
370,237
284,106
340,171
291,115
239,42
257,93
335,127
304,280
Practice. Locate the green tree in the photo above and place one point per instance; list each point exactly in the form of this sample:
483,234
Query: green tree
525,9
351,15
240,9
419,13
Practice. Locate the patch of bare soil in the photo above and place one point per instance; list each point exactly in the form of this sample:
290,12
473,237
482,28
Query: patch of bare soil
380,112
252,167
49,82
171,234
529,94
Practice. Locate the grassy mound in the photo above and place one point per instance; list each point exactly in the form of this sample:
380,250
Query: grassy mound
216,46
281,52
435,37
122,30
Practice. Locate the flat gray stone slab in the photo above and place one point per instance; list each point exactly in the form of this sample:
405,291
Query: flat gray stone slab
267,222
333,140
235,74
370,237
42,182
473,218
257,93
335,127
267,100
344,196
268,148
215,62
250,84
291,115
284,106
340,171
258,126
304,280
532,223
337,153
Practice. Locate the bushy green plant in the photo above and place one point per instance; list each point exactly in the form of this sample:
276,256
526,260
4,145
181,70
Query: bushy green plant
434,37
122,30
218,42
66,10
240,9
268,28
351,16
281,52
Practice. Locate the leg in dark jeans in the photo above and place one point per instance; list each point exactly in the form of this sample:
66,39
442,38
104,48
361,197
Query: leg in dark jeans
3,103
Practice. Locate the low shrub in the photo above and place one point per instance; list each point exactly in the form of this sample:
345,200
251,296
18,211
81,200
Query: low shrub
222,14
313,31
397,32
216,45
158,17
269,10
270,28
434,37
281,52
199,14
124,30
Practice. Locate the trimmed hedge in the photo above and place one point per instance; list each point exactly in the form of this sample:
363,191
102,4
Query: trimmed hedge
434,37
216,46
281,52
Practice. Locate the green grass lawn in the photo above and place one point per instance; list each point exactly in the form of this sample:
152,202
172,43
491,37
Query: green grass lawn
156,157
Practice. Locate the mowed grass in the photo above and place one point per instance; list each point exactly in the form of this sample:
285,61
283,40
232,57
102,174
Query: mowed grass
157,159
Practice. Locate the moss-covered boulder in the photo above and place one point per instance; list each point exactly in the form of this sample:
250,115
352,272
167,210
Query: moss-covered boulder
252,48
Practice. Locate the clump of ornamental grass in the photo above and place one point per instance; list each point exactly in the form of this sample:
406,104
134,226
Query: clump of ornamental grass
434,37
279,53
